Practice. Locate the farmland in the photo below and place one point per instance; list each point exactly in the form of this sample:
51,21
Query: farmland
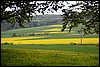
49,47
29,57
47,35
50,41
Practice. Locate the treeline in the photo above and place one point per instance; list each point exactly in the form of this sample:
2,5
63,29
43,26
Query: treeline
18,35
29,34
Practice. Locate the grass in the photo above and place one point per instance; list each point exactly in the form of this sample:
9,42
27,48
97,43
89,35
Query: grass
23,31
42,29
29,57
48,55
74,48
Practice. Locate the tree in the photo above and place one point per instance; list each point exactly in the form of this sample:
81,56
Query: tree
21,11
14,35
88,16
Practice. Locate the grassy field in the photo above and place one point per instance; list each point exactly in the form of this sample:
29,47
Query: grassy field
29,57
49,47
52,30
75,48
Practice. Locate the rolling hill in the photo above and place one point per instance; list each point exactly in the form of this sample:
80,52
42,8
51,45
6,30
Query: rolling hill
39,20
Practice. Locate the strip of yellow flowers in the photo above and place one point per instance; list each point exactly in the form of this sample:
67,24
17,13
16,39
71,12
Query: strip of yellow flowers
54,29
50,41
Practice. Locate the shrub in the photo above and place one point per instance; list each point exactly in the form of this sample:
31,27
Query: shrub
72,43
23,34
97,45
19,34
14,35
31,34
6,43
11,43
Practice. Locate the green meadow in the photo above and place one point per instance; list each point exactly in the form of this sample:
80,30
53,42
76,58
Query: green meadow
49,55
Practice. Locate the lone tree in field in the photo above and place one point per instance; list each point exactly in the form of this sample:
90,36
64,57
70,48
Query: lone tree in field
22,11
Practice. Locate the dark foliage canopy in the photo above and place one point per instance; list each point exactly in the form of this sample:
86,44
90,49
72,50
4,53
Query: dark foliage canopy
88,16
22,11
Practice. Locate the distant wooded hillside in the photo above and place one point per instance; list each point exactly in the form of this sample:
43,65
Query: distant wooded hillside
39,20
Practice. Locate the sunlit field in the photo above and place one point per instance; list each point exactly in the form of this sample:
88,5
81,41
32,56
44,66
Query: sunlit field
30,57
24,40
48,46
50,33
54,29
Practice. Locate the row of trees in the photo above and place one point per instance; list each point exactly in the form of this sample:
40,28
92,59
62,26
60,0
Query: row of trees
30,34
16,35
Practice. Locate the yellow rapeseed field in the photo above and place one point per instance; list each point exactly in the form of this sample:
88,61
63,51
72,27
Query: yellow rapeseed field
51,32
18,40
21,38
54,29
56,25
56,32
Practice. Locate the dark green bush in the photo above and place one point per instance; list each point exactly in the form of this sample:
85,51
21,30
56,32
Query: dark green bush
72,43
14,35
6,43
97,45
